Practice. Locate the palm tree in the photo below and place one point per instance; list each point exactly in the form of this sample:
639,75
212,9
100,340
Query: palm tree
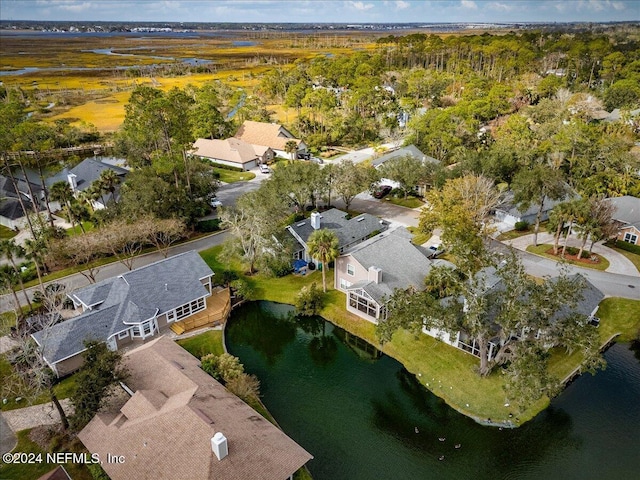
35,251
323,245
108,182
291,147
61,192
11,250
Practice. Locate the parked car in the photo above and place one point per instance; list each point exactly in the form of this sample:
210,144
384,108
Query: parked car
264,169
382,191
215,203
435,251
317,160
303,156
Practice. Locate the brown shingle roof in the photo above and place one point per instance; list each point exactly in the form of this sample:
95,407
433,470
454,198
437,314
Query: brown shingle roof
267,134
165,429
230,150
58,473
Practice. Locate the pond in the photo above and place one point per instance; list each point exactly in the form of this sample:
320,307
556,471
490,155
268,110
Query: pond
363,416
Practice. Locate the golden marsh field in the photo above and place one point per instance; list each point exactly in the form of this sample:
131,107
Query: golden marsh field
88,78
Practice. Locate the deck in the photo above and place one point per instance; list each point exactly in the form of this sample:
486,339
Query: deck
216,313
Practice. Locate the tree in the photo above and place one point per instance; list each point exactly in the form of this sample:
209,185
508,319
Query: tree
324,246
80,251
61,192
351,179
534,186
162,233
253,221
499,304
101,371
291,147
598,223
294,182
10,250
407,171
108,181
461,208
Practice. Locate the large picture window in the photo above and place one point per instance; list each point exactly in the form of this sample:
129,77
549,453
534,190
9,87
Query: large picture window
186,310
631,238
360,301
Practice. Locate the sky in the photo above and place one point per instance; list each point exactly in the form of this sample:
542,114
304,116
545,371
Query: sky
321,11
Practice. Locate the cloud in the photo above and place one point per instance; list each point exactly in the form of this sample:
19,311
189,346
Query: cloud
361,6
502,7
469,4
401,5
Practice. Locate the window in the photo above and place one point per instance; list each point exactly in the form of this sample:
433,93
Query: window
344,284
186,310
631,238
146,328
358,299
122,335
351,269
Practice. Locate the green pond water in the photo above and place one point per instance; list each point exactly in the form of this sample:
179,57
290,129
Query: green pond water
363,416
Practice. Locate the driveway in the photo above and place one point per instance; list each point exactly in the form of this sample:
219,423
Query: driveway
618,263
8,440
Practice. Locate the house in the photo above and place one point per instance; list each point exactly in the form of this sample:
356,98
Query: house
233,152
131,308
270,135
177,422
350,231
371,271
411,151
489,281
509,213
12,215
627,216
83,175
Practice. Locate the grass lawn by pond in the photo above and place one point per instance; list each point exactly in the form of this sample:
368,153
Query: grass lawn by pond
231,176
409,202
546,250
449,372
204,343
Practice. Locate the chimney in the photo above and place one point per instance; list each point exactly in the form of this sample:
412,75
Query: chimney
71,177
374,274
219,445
315,220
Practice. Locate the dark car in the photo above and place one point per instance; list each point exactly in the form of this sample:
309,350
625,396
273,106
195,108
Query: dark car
303,156
381,191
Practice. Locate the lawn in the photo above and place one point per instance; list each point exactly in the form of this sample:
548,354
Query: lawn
77,471
204,343
409,202
76,230
511,234
231,176
6,232
418,237
542,249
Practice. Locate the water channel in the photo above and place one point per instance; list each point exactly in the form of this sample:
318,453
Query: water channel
363,416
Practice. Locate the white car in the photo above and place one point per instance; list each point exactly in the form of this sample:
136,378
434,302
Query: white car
215,203
264,169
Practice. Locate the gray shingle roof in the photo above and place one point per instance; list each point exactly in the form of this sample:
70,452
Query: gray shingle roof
132,297
403,265
509,206
627,210
411,150
590,298
347,230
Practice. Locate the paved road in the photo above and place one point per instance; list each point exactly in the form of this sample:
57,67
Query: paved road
77,280
8,440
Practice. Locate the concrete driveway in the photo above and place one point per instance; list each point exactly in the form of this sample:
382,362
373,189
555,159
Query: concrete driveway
8,440
618,263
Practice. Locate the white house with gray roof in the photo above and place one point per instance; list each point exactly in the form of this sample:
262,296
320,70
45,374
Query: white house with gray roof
349,230
127,309
370,272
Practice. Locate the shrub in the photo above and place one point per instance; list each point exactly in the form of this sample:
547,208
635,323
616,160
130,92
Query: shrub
244,386
206,226
243,288
223,367
522,226
309,301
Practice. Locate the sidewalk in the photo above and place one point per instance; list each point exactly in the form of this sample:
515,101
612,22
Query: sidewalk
618,263
36,415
